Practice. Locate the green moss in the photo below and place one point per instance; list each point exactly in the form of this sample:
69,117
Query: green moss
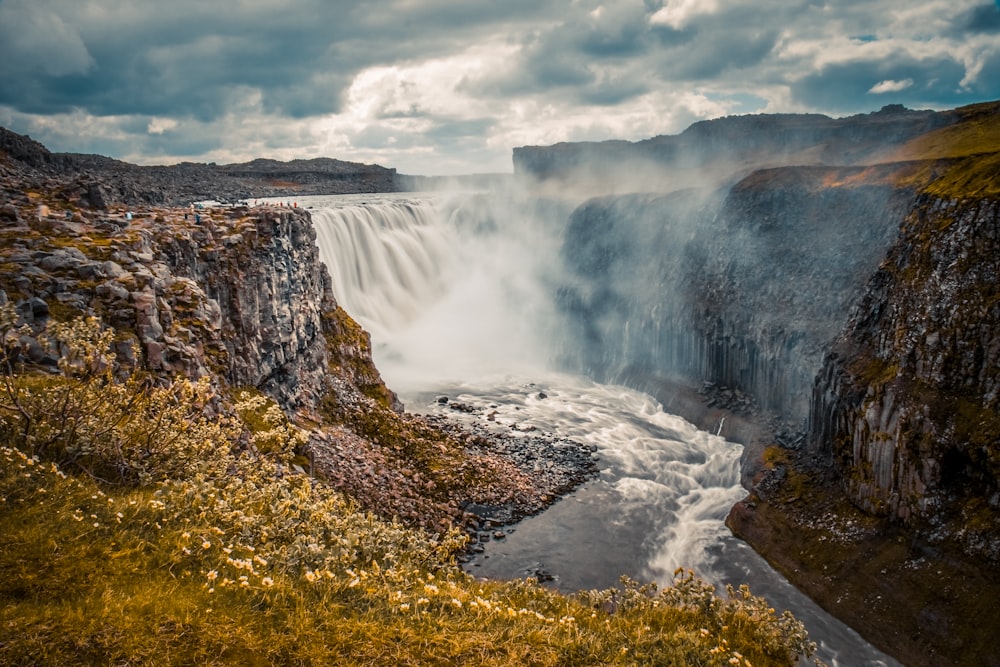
774,456
350,356
977,424
871,371
976,176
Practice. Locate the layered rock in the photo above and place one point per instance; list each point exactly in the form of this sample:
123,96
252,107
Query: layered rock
236,294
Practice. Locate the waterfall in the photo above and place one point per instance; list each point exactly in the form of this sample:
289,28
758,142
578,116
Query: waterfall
460,296
387,260
449,287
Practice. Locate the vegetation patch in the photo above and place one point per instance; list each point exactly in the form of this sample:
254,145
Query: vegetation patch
350,356
977,131
220,554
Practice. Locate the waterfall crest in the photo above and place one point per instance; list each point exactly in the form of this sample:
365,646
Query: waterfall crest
387,259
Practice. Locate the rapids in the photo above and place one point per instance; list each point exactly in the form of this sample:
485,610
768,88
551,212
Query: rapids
459,295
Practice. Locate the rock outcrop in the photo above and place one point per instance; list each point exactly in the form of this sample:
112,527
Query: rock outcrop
239,296
908,403
743,288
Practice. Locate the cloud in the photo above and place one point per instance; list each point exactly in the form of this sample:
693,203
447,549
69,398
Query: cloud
37,40
677,13
161,125
889,86
418,84
983,18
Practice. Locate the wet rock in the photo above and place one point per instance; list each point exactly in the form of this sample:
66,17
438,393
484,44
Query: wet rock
542,575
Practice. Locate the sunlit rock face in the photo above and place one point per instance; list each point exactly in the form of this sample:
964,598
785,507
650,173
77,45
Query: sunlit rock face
907,403
743,288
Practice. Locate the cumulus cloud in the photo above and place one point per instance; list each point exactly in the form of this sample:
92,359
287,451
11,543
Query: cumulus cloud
161,125
677,13
446,86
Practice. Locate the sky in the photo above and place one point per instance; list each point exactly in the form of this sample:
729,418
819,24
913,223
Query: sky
439,87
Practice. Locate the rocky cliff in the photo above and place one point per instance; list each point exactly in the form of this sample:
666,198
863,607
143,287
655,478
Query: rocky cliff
743,287
238,296
907,403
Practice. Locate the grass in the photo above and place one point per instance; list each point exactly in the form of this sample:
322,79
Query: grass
213,551
976,132
163,576
957,161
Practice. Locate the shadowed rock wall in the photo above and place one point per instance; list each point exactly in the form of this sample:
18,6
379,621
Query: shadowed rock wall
908,402
744,288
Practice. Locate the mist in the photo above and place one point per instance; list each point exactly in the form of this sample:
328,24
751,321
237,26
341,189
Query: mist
450,285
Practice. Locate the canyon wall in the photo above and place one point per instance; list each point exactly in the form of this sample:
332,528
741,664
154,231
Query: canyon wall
236,294
860,304
743,288
907,403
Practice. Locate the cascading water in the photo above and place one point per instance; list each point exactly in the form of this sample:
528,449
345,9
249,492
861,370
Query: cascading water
389,259
428,291
458,294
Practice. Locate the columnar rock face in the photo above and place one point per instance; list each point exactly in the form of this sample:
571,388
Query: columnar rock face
908,404
264,279
743,288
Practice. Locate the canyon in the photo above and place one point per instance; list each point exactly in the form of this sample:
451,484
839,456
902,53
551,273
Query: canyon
829,285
